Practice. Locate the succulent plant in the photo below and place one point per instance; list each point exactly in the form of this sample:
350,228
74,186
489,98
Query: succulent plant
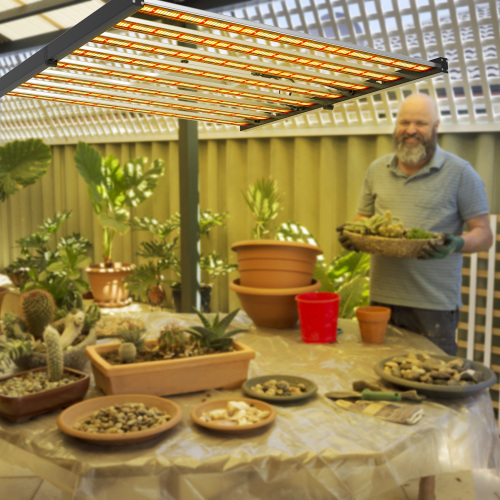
213,333
127,352
38,307
135,336
55,358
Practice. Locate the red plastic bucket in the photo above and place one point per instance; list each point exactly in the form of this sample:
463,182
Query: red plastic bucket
318,316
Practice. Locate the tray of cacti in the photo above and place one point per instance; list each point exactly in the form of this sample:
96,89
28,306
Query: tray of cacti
384,234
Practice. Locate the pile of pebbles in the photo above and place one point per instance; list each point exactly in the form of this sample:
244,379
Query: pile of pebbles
120,419
33,382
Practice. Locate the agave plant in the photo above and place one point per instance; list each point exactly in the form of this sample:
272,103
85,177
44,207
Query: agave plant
213,333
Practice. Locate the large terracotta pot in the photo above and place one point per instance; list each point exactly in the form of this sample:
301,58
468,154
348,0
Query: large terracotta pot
226,370
272,307
275,264
107,284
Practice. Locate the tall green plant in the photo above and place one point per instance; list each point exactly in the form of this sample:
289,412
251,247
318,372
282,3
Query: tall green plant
347,275
114,189
264,201
22,163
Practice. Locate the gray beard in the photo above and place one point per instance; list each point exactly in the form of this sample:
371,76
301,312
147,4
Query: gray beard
411,155
414,155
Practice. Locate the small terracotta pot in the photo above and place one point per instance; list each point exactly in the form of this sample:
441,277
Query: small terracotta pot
275,264
271,307
373,323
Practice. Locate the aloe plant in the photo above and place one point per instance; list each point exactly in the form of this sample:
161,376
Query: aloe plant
213,334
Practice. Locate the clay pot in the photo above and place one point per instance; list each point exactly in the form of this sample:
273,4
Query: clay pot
107,284
373,322
271,307
275,264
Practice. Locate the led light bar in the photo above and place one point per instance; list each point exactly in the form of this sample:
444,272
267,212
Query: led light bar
220,23
252,49
85,91
178,82
145,62
100,104
54,76
228,61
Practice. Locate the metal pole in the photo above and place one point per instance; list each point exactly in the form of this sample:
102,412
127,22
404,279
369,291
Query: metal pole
189,210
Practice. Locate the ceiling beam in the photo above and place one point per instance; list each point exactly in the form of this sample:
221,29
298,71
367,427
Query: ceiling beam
35,8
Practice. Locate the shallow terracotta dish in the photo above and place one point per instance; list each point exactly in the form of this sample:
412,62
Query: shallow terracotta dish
69,417
22,408
226,425
311,388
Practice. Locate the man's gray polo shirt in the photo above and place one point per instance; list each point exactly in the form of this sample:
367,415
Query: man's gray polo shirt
439,198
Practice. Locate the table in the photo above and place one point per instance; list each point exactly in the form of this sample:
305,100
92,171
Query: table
313,450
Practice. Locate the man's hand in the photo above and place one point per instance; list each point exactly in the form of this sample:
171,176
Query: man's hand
450,245
345,241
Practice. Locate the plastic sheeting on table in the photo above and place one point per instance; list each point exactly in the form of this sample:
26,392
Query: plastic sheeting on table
313,450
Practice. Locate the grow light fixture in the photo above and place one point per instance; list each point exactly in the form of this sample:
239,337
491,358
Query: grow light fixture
225,71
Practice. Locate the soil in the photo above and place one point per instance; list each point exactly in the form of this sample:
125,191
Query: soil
147,355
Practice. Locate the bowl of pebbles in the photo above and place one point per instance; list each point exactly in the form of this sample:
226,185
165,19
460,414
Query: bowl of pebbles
120,419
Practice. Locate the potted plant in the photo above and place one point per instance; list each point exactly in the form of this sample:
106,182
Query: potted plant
178,361
113,190
55,266
22,342
272,263
28,394
148,281
22,163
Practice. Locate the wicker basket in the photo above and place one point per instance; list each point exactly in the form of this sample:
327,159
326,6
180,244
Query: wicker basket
391,247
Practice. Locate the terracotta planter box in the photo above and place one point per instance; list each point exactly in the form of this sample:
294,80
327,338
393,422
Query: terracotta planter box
226,370
21,408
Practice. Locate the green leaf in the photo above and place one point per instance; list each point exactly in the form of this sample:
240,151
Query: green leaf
22,163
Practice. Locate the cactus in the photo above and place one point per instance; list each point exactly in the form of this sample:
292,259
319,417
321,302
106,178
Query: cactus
55,359
38,307
127,352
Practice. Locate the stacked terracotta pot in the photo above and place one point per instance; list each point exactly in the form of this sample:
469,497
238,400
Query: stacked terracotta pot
272,273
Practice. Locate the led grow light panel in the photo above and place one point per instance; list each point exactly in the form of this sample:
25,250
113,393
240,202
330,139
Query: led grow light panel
239,72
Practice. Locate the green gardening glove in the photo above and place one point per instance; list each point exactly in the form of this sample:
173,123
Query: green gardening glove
450,245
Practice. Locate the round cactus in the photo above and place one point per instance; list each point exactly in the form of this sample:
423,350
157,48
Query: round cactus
38,307
55,358
127,352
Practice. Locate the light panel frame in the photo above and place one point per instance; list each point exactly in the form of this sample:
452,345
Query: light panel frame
275,72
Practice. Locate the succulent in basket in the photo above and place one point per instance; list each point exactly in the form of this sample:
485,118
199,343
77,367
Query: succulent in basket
213,335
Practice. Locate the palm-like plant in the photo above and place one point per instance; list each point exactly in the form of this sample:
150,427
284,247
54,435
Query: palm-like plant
114,189
264,202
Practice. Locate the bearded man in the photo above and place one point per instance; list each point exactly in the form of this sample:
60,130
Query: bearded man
431,189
